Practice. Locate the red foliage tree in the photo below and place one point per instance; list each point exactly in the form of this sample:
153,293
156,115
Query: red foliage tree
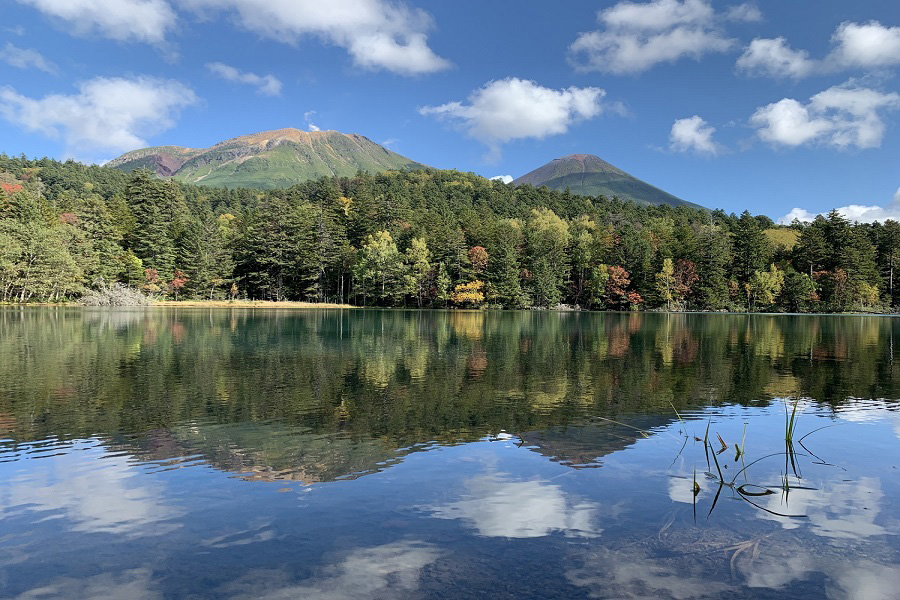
685,278
178,282
617,286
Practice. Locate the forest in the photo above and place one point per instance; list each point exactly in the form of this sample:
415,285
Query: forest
424,238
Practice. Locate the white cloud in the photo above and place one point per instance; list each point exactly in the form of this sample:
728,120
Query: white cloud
855,46
378,34
744,13
503,178
842,116
855,212
497,507
866,45
637,36
788,122
108,114
265,84
774,57
124,20
512,108
23,58
307,116
693,134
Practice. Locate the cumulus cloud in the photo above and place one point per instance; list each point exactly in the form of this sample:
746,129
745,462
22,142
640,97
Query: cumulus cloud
693,134
503,178
637,36
107,114
855,46
842,116
855,212
775,58
866,45
512,108
265,84
125,20
378,34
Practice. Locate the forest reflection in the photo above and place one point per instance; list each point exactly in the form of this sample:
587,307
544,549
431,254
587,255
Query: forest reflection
318,395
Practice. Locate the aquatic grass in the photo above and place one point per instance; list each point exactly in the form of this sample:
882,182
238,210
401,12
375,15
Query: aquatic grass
706,443
683,424
643,432
724,445
749,492
790,421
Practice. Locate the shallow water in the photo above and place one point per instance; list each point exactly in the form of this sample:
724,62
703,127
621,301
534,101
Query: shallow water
197,453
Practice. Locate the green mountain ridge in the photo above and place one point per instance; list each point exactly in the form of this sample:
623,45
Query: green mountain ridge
267,160
285,157
589,175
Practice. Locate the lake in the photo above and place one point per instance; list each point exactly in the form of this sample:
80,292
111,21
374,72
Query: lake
275,454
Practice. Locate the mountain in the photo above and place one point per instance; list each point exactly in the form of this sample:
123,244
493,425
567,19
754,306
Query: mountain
268,160
589,175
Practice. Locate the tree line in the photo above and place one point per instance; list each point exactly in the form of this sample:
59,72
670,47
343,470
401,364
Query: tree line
426,238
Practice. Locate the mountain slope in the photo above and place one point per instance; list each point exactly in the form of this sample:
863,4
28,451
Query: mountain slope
589,175
268,160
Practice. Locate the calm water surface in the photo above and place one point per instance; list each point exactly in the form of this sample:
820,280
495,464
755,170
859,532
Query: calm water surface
197,453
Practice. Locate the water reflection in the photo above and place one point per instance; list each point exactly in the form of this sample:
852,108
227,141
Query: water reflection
387,571
134,584
497,506
630,573
842,509
89,495
355,454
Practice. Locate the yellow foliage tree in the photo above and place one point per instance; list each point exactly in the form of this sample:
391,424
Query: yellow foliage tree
468,294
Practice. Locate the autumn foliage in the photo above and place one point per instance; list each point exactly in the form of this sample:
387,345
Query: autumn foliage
468,294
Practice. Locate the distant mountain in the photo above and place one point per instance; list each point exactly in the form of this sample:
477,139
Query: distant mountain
589,175
268,160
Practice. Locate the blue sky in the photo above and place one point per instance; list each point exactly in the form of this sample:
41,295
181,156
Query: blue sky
769,106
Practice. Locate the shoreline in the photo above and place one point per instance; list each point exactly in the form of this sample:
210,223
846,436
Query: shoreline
262,304
247,304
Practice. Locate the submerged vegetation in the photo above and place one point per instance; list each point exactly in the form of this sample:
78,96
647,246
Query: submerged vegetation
424,238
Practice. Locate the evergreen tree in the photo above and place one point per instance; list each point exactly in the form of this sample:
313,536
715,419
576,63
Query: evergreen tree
547,238
151,240
751,248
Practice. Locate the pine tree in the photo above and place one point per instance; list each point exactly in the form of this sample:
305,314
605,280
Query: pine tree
151,240
751,248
